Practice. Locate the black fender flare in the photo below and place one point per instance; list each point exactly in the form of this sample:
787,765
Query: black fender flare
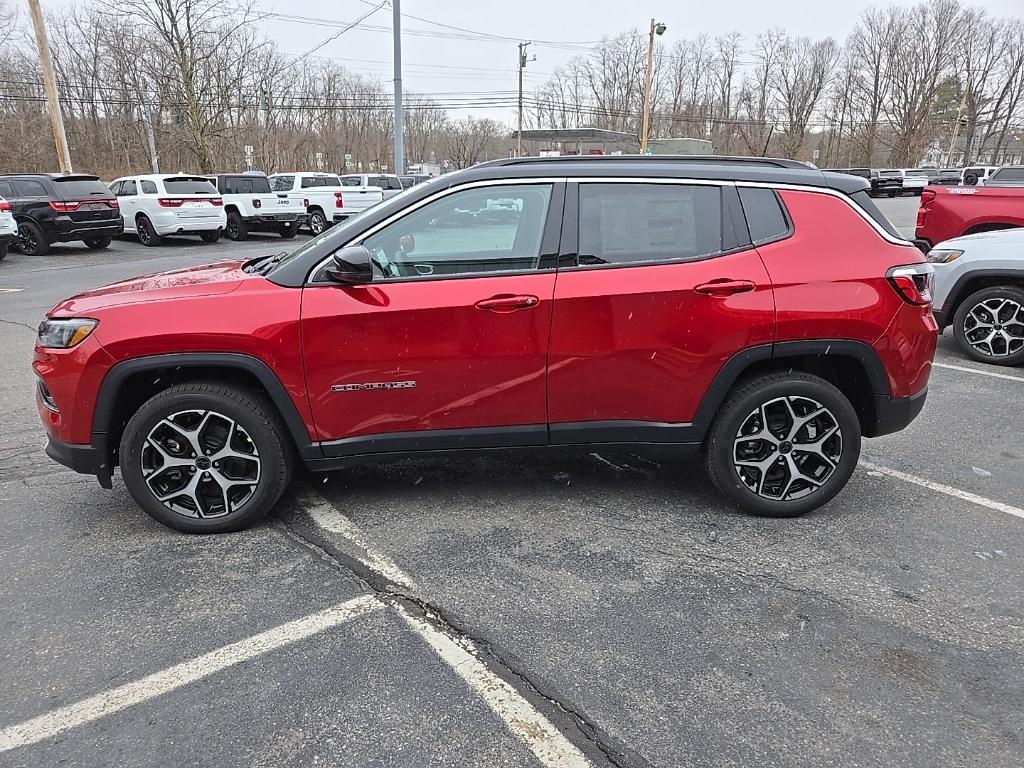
106,399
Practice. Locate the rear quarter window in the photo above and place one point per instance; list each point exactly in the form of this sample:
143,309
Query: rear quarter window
867,204
766,218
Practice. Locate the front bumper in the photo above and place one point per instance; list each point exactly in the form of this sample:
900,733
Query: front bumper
84,459
895,413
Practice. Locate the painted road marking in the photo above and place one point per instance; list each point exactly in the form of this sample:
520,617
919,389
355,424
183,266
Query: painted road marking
948,490
151,686
11,290
525,721
993,374
542,738
328,518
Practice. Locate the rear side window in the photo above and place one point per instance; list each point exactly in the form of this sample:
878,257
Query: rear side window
282,183
128,188
6,189
394,182
189,185
148,187
351,181
28,188
311,181
637,223
863,199
765,216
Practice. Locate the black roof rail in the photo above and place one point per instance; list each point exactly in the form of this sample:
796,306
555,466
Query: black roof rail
768,162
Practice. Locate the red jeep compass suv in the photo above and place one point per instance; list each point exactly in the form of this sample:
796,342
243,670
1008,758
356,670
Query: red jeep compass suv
757,312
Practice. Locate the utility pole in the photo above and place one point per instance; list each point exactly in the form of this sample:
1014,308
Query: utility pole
146,114
522,66
60,141
657,28
956,130
396,25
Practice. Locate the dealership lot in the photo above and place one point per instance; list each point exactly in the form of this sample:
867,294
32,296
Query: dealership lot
615,610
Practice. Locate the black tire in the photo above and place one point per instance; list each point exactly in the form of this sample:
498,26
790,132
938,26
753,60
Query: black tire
318,222
894,194
236,229
98,243
971,180
3,250
146,234
743,405
251,412
1005,353
31,240
288,231
210,236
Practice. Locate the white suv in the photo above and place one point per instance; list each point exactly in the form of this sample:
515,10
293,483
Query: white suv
8,227
155,206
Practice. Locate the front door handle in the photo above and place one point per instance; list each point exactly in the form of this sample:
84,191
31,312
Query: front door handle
724,287
507,303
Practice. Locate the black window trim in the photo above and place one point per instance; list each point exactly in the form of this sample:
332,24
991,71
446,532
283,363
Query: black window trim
790,229
549,240
569,254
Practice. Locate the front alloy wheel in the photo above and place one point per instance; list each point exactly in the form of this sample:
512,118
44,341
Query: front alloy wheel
989,325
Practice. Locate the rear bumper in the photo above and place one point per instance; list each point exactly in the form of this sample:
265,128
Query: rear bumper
941,318
895,413
84,459
64,231
922,244
170,224
274,220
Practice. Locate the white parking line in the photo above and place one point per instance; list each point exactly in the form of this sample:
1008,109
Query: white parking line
11,290
948,490
159,683
327,517
542,738
965,369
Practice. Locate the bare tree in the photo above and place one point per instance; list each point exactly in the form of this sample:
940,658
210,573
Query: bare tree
804,71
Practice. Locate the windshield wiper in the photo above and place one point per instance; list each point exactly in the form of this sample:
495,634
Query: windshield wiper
265,264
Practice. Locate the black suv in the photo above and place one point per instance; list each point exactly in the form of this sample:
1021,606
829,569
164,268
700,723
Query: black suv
882,182
52,208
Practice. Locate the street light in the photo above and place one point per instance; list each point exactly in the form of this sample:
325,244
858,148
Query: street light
657,28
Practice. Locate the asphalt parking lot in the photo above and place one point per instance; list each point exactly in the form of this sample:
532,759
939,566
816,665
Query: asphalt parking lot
597,610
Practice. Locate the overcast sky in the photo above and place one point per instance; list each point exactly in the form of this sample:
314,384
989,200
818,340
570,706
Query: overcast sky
457,69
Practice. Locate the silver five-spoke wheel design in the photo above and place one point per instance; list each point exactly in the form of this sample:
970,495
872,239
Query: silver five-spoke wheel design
995,327
788,448
200,464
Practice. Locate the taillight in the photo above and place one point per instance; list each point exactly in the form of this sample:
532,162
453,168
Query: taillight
170,202
113,203
305,202
218,202
927,196
4,205
339,201
913,282
64,207
257,203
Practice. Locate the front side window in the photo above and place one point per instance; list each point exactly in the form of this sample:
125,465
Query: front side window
765,217
473,231
637,223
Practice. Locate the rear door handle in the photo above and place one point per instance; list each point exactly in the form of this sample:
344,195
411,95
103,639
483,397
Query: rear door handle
507,303
725,287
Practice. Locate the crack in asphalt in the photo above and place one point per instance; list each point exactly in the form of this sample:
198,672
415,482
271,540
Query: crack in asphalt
501,662
17,322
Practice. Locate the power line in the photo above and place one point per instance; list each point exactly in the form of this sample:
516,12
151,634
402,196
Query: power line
334,37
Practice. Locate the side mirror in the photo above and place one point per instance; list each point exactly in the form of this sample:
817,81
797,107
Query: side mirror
352,266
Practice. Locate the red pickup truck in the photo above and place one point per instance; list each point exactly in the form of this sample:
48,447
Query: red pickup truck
948,212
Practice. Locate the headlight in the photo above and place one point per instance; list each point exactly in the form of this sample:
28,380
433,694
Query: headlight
943,255
64,334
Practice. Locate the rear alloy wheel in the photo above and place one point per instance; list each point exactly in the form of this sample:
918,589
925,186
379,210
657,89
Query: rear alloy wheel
210,236
989,325
147,235
205,458
31,240
317,222
236,229
98,243
783,444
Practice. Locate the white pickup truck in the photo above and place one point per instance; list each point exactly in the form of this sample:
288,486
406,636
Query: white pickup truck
327,201
251,206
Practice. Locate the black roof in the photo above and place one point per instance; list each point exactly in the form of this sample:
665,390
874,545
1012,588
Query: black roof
711,167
